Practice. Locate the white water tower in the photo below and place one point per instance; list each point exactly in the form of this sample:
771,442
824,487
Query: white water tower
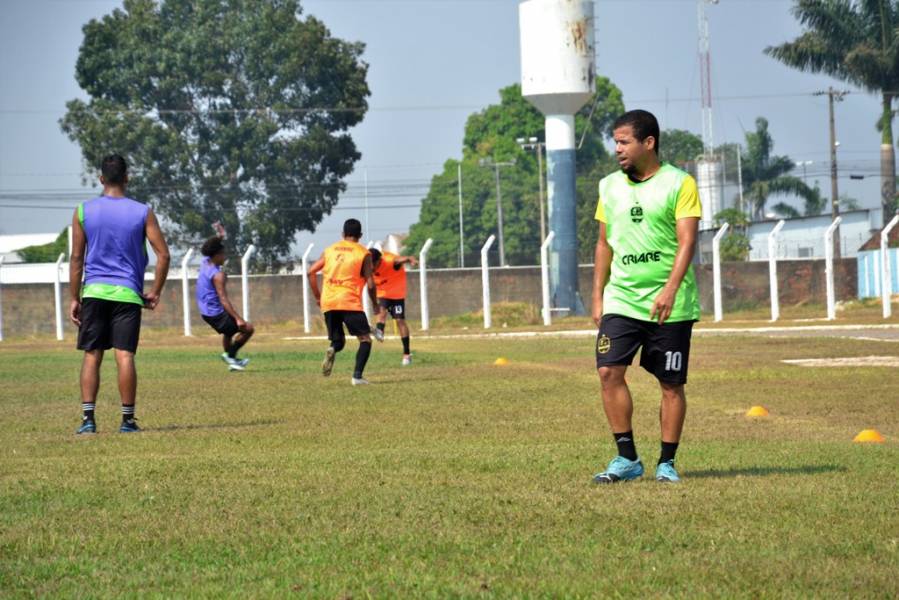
557,76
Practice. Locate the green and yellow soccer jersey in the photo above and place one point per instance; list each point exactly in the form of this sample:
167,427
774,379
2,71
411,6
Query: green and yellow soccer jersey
641,228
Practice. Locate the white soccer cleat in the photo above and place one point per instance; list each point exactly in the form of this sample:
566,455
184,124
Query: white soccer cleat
407,360
233,363
379,335
359,381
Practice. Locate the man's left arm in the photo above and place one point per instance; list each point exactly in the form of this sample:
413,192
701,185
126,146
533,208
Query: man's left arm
687,212
687,229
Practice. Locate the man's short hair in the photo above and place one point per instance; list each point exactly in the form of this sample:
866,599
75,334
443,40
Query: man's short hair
375,255
352,228
642,122
114,169
212,246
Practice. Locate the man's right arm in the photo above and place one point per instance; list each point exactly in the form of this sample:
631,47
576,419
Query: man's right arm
312,275
602,264
368,273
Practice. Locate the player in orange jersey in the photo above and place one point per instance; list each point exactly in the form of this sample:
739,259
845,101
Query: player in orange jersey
346,270
390,279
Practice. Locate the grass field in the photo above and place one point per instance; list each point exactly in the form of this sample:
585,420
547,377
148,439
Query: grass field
452,478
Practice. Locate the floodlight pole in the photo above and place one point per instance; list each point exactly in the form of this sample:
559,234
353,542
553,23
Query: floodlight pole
245,281
886,287
485,279
544,277
828,268
185,291
306,288
716,270
772,269
57,295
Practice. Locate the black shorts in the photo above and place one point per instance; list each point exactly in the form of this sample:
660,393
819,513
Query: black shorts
222,323
395,308
107,324
666,347
356,323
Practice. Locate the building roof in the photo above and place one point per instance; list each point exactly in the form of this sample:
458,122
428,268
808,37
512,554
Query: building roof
11,243
874,242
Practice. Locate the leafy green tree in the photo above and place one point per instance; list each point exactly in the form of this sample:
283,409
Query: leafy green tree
765,175
735,245
46,253
856,41
492,133
227,111
680,147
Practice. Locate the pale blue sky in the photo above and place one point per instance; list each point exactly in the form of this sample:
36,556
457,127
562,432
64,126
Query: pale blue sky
432,63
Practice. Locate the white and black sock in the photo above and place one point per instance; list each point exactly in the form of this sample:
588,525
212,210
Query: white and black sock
88,409
127,412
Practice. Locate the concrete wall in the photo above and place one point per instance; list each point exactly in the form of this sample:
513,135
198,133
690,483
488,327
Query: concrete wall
28,308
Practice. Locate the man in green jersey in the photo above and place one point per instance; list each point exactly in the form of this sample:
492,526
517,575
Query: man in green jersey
644,289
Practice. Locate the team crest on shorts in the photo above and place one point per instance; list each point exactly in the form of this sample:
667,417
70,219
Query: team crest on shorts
603,344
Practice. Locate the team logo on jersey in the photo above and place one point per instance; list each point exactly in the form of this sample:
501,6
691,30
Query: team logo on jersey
636,214
603,344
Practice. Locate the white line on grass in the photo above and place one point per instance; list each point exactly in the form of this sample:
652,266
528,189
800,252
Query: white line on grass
577,333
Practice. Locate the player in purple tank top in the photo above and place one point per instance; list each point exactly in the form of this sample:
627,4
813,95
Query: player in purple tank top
215,306
109,236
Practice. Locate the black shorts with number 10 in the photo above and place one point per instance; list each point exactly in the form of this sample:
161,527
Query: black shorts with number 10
666,347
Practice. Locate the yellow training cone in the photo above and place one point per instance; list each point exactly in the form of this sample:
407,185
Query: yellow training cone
869,436
757,411
501,361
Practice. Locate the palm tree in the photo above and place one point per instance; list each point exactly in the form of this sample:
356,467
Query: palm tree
856,41
765,175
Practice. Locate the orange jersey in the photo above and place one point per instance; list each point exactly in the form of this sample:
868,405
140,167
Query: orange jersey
342,279
391,281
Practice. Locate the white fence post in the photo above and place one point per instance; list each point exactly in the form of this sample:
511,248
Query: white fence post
886,288
485,279
423,284
828,268
716,270
544,277
185,291
772,269
1,299
366,301
306,288
245,281
57,296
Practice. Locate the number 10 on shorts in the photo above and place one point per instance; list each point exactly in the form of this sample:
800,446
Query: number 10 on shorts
673,361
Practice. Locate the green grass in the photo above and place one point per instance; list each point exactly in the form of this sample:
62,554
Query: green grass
453,478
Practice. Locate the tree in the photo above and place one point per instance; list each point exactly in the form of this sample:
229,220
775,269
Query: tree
492,133
680,147
226,111
856,41
765,175
46,253
735,245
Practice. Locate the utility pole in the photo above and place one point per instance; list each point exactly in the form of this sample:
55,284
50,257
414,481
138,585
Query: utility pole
486,162
532,144
833,96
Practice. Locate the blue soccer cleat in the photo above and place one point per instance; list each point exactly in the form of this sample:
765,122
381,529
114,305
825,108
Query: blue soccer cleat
666,473
129,426
620,469
87,426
